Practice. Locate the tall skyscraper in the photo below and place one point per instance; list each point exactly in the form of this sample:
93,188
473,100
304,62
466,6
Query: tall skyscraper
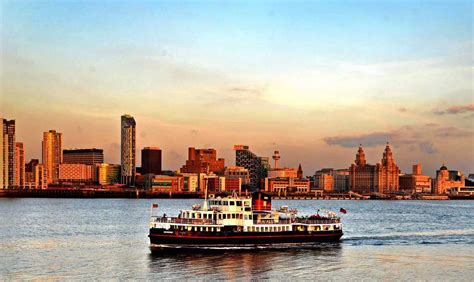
127,152
151,160
7,158
83,156
257,166
52,154
19,165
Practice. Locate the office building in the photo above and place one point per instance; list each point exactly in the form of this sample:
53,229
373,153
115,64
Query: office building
127,156
41,177
106,174
75,173
151,160
257,166
52,154
237,172
447,179
382,177
30,173
203,161
83,156
415,182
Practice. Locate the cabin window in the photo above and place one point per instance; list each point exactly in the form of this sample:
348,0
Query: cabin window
232,203
233,216
225,203
239,203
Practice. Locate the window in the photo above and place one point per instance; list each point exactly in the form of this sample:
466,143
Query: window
225,203
232,203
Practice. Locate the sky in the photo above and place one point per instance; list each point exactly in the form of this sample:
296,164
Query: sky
312,79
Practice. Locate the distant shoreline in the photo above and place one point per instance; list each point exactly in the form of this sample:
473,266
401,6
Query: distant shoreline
131,193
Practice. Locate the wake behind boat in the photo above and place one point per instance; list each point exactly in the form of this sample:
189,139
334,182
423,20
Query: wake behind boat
235,222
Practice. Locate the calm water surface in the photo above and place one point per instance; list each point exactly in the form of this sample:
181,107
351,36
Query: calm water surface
107,239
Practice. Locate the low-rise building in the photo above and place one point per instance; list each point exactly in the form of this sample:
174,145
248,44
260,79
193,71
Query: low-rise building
107,174
446,179
165,183
75,173
415,182
41,177
287,184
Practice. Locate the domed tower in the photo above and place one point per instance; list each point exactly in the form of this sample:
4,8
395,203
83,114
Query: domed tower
300,172
360,157
387,155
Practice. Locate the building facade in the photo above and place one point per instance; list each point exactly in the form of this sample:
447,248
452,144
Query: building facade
7,158
203,161
415,182
257,166
106,174
287,185
75,173
324,180
127,150
165,183
447,179
238,172
19,165
52,154
30,173
151,160
41,177
381,178
83,156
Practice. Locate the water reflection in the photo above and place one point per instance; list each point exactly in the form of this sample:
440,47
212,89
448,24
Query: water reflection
247,264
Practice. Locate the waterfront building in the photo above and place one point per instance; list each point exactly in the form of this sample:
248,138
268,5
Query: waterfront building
238,172
52,154
127,150
203,161
233,184
19,165
215,183
299,173
381,178
30,173
106,174
446,179
191,182
83,156
415,182
287,184
257,166
324,180
151,160
7,154
77,173
166,183
41,177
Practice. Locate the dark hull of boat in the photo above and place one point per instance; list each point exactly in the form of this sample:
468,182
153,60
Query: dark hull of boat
239,240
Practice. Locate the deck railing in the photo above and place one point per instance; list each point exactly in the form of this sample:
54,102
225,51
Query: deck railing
184,220
296,220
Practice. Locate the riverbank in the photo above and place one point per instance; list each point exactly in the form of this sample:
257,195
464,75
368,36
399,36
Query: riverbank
63,192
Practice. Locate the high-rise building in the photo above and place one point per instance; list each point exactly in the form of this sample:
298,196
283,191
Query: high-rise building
151,160
19,165
382,177
257,166
83,156
202,161
127,152
52,154
7,158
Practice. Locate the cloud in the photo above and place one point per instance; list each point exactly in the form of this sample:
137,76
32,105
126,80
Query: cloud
368,140
414,136
428,148
453,110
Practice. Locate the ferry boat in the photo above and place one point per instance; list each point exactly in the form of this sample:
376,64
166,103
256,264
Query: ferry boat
242,222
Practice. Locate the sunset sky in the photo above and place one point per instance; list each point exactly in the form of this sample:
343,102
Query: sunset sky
312,79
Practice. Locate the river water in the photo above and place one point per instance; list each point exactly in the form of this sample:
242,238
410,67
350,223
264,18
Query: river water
77,239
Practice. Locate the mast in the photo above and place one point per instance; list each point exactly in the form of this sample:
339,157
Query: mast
204,206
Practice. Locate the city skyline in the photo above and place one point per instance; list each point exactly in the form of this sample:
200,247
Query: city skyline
311,80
